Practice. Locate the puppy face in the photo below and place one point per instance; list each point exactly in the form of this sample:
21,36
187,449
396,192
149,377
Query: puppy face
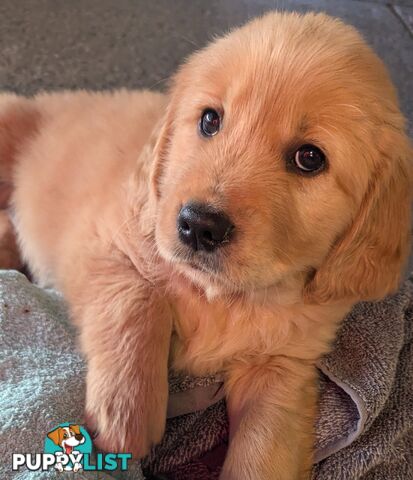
283,155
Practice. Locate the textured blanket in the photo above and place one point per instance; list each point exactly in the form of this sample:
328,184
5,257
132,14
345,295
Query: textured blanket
365,425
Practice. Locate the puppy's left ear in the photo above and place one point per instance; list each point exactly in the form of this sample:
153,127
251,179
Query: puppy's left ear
367,262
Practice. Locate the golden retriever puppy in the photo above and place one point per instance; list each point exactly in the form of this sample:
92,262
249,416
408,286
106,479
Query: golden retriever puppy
228,226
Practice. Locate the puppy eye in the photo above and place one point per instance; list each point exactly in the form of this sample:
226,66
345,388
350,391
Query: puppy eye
309,159
209,123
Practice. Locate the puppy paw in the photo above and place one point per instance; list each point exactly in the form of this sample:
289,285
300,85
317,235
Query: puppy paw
126,426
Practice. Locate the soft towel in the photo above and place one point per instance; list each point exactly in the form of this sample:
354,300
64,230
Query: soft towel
365,425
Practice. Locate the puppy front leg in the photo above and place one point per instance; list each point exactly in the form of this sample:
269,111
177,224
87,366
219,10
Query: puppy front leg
125,327
271,410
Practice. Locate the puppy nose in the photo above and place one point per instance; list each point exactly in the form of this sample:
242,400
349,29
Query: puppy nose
203,228
79,436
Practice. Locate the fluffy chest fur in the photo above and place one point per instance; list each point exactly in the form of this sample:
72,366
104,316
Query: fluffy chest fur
211,333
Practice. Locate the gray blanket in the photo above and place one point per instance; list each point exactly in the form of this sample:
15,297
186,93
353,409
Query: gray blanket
364,430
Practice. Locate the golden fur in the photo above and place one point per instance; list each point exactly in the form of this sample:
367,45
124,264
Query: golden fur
100,177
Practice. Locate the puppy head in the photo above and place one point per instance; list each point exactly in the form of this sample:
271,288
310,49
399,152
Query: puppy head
283,154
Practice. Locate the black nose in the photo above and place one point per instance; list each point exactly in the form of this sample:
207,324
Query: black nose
79,436
202,227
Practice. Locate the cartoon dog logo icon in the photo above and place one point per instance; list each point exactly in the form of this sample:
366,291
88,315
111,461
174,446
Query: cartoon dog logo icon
67,438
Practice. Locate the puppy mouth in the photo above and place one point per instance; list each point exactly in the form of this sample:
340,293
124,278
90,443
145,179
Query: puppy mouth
200,262
201,265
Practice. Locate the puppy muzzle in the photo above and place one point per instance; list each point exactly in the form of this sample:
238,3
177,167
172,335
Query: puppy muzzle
203,228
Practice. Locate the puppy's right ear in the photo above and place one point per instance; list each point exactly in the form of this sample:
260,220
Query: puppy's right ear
19,120
162,138
56,435
163,134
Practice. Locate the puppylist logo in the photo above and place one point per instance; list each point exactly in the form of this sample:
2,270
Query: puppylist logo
68,448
